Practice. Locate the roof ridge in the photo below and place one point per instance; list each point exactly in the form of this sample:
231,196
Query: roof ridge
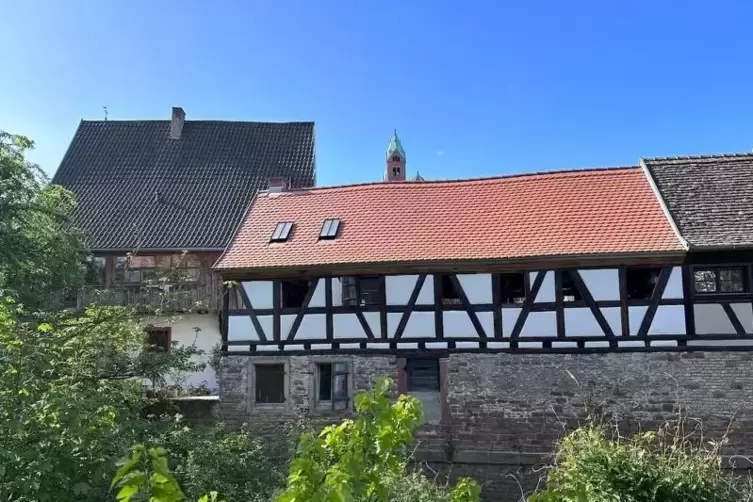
709,156
214,121
501,177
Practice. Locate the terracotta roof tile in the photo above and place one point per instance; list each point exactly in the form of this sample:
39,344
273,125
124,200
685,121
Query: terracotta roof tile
586,212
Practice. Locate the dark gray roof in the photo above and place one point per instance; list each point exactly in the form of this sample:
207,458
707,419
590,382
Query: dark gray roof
710,197
136,187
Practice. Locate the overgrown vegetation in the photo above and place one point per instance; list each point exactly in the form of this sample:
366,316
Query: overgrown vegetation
595,464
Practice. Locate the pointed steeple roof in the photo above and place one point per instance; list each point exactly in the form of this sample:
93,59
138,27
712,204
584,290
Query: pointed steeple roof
395,146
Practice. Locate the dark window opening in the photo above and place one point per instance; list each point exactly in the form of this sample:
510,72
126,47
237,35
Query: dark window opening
720,280
641,282
450,295
360,290
512,287
96,270
569,292
423,374
395,172
333,385
282,232
294,293
270,383
329,229
158,339
396,158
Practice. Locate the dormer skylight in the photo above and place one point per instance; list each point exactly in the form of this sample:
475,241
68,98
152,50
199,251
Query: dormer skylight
282,232
329,229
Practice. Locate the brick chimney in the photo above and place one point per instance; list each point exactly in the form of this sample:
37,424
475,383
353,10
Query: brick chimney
177,121
278,184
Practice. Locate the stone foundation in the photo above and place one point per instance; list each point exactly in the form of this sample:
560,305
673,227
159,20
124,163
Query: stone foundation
498,406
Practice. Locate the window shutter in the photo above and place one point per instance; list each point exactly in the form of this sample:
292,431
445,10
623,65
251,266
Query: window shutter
349,293
340,386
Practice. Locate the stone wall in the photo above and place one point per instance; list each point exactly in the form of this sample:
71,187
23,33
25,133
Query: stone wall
506,411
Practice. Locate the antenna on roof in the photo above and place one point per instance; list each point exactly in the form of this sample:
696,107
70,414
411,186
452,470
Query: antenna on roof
105,109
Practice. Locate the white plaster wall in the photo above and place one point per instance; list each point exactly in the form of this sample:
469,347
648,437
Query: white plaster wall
420,324
477,287
509,318
669,320
674,285
337,292
540,324
581,321
204,331
635,318
710,318
604,284
319,299
457,324
400,287
348,326
546,293
259,293
313,327
240,327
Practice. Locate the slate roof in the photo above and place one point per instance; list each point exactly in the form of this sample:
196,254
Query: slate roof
137,188
709,197
559,214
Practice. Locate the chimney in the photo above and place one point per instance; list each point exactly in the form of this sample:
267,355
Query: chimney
278,184
177,121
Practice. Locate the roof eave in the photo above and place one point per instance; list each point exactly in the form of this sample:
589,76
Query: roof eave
531,262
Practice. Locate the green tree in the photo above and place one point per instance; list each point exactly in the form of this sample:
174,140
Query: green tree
364,459
40,249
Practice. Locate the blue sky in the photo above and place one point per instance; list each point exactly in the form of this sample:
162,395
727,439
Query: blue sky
474,88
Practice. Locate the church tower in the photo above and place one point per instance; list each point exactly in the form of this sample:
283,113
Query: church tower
395,170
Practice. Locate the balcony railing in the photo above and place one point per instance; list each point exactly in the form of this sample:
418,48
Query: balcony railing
142,297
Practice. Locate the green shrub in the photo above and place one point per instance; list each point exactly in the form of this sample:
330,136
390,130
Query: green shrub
664,466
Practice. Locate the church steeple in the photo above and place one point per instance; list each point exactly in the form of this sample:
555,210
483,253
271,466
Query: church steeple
395,170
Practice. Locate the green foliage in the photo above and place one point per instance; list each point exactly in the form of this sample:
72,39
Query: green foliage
64,406
235,464
361,459
40,250
146,476
655,466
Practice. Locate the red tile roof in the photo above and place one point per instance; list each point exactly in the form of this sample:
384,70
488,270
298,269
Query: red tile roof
586,212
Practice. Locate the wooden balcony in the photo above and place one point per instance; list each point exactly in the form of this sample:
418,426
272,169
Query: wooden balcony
144,298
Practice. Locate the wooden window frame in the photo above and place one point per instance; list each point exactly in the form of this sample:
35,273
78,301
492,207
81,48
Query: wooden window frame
330,406
160,329
717,280
269,407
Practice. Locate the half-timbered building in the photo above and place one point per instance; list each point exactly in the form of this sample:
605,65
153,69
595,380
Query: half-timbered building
511,306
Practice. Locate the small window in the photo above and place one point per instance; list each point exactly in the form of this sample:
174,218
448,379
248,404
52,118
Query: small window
96,270
282,232
423,374
332,386
396,158
269,383
395,172
512,287
641,282
450,295
360,290
135,269
158,339
720,280
294,293
329,229
569,292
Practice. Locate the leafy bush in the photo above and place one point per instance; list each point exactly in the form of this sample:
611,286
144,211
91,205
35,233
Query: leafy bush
364,459
235,464
662,466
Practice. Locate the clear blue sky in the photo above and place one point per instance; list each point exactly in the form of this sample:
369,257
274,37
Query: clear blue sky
474,88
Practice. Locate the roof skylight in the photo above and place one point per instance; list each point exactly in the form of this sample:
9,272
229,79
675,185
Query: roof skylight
282,232
329,228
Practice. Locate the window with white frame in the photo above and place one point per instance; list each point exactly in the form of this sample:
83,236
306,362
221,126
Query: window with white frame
331,388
